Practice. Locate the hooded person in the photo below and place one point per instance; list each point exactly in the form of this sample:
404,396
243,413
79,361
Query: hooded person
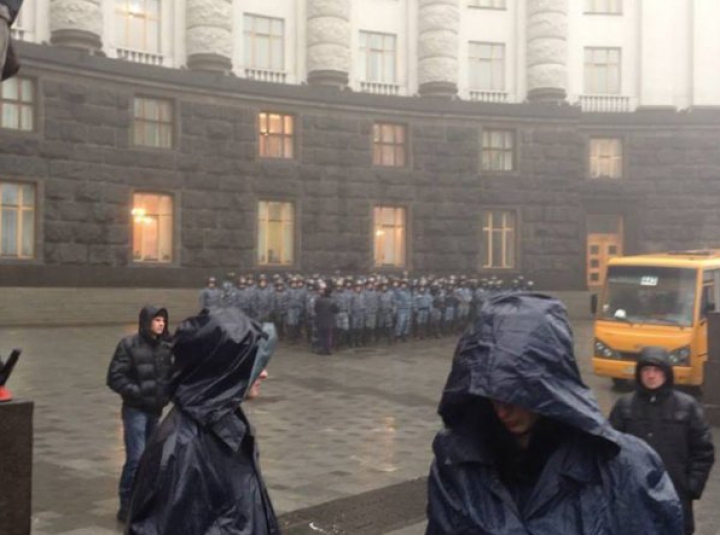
525,449
672,423
200,474
140,372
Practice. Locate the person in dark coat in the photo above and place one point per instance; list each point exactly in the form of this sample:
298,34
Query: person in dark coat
672,423
200,474
140,372
525,449
325,309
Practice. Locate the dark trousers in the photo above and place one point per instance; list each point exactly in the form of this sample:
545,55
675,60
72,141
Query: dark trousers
325,340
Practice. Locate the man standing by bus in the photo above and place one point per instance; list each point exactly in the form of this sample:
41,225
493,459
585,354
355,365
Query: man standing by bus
672,423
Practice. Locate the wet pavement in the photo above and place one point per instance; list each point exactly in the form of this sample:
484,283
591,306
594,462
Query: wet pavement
344,439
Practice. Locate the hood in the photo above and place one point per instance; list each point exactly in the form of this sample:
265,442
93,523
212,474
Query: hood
520,351
655,356
147,313
216,353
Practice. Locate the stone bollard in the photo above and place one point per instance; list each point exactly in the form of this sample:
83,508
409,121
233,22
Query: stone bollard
711,392
16,442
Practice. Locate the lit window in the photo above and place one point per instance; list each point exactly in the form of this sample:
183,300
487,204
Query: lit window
17,104
17,220
276,135
152,227
487,4
602,71
389,224
498,147
276,233
389,145
499,239
377,57
264,43
603,6
153,125
487,66
137,25
605,158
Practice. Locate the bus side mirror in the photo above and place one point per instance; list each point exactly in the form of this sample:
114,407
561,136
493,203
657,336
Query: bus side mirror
593,304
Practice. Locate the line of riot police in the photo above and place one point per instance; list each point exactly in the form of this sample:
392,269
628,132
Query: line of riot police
371,309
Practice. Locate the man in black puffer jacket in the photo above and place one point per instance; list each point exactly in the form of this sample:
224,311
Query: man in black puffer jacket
140,372
672,423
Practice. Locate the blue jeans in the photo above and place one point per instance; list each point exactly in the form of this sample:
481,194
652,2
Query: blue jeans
138,425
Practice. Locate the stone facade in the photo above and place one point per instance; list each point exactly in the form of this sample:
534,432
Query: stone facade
547,50
438,27
328,42
209,34
76,23
86,170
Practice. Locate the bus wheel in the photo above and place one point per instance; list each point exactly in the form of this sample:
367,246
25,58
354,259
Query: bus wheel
622,385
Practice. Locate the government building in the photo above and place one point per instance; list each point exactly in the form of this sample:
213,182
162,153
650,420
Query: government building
155,142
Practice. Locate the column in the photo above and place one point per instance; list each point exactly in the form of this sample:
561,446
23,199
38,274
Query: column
209,35
328,42
76,24
547,34
438,48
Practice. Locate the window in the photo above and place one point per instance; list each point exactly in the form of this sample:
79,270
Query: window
276,233
487,4
17,104
137,25
389,224
498,150
153,126
499,231
17,220
276,139
377,57
152,227
602,71
613,7
605,158
389,145
487,66
264,43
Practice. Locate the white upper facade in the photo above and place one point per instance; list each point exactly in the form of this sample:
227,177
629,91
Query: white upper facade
607,55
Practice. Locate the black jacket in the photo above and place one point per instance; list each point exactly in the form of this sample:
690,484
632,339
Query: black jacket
325,310
582,478
673,424
200,473
140,368
13,7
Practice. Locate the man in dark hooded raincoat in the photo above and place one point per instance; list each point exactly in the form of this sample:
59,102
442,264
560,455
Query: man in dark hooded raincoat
200,473
526,450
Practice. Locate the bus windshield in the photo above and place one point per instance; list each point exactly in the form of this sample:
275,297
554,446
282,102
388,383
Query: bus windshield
649,294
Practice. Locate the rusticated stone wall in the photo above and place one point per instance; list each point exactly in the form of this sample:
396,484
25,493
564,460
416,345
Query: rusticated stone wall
438,27
328,42
547,34
209,34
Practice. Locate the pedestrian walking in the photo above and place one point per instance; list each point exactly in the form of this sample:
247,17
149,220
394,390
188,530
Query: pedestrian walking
672,423
140,372
200,474
525,447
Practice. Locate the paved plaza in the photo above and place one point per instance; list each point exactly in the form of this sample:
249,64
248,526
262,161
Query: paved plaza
344,440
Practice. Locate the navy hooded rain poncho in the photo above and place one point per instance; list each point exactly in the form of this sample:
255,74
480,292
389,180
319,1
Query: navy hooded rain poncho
200,473
577,476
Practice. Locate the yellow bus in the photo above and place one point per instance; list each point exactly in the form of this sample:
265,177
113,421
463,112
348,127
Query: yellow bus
656,300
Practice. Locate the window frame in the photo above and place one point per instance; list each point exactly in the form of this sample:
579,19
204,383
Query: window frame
37,242
380,125
172,124
366,51
293,237
486,246
514,152
32,104
282,135
376,229
248,35
596,66
477,61
174,229
621,168
121,41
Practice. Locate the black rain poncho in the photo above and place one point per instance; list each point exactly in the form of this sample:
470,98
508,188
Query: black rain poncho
200,474
593,479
